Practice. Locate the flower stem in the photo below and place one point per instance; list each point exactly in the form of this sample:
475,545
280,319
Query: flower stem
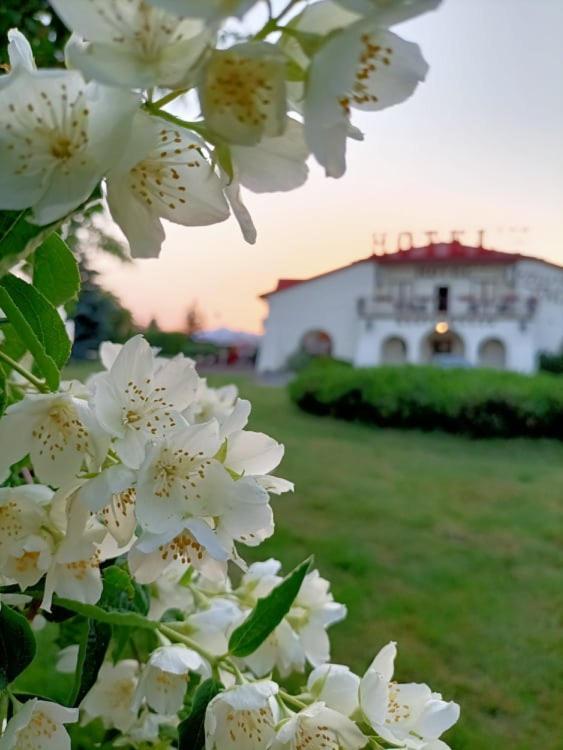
272,23
288,698
168,98
176,637
39,384
197,127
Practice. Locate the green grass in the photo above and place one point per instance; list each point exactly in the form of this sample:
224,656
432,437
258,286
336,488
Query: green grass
451,547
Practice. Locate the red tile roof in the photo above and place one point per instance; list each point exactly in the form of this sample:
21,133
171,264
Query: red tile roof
451,253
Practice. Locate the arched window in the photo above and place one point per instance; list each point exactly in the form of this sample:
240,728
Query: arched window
394,351
492,353
443,347
317,343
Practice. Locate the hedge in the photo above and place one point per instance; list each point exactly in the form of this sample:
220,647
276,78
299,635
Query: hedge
480,403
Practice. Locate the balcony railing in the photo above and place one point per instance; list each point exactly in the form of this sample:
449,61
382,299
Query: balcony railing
460,308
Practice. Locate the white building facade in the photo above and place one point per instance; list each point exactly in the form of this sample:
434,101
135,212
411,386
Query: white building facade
448,304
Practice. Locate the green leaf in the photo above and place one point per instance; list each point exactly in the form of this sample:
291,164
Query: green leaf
17,645
268,613
121,593
123,602
94,612
19,238
191,731
294,71
38,325
309,42
93,647
55,271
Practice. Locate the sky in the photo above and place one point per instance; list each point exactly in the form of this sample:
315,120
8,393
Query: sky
479,146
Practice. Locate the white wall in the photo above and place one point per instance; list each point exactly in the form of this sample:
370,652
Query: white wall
328,303
546,284
519,343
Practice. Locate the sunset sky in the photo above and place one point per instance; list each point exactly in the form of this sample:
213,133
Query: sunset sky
480,145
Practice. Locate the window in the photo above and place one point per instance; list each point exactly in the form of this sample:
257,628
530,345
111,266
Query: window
442,301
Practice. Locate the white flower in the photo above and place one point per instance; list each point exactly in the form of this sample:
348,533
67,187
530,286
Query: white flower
319,728
315,22
58,431
146,729
301,636
112,696
281,650
246,453
242,718
246,515
25,552
166,592
364,66
39,725
240,211
336,686
390,12
192,543
136,401
163,174
58,138
74,571
132,44
210,627
407,714
180,479
252,453
313,610
214,403
67,660
112,496
31,561
164,679
19,54
243,92
275,163
210,10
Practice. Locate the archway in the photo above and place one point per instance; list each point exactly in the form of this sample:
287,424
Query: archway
317,343
445,345
394,351
492,353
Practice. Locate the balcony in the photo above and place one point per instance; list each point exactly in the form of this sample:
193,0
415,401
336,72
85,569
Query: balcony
463,308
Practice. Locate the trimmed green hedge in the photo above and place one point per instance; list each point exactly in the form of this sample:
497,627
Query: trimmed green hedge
481,403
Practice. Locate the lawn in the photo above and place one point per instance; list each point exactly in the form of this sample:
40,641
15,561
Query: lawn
449,546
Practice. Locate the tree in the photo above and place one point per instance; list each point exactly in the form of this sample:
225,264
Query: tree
98,315
195,320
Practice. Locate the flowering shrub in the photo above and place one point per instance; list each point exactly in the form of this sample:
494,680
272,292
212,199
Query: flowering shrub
127,501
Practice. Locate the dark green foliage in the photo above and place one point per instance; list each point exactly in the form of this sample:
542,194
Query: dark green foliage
93,646
38,325
172,343
124,602
35,18
55,271
98,316
191,731
551,363
17,645
480,403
